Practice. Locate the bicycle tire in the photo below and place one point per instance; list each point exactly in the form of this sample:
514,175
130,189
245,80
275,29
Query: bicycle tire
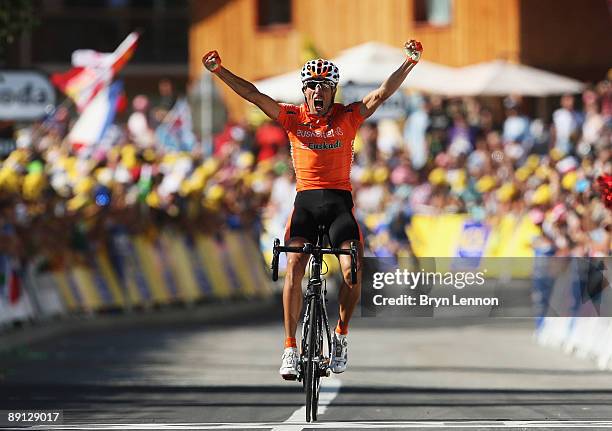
310,365
304,351
317,370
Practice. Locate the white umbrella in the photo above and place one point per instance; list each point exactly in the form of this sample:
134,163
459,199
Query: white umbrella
498,78
282,88
368,63
373,62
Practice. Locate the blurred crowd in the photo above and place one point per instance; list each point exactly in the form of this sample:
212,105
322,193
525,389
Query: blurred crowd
448,156
454,156
59,199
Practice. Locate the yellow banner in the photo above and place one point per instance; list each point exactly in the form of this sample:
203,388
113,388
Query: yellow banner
444,236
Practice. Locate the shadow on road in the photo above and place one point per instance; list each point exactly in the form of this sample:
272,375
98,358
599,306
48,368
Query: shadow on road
78,397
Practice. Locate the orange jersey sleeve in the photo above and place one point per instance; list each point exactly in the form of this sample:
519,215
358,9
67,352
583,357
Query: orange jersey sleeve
288,116
355,115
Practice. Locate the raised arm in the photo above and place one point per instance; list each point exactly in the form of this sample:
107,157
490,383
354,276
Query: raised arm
372,101
242,87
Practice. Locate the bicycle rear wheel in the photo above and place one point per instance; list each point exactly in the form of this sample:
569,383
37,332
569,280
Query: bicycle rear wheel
312,371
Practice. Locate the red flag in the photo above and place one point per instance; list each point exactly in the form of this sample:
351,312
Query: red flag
83,83
97,117
61,80
605,186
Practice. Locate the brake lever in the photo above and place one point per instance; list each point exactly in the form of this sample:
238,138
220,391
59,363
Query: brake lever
353,263
275,255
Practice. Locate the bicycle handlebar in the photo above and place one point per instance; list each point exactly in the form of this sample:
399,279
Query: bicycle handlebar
309,248
312,249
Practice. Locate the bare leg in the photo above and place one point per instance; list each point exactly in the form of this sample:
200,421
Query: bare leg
292,290
348,296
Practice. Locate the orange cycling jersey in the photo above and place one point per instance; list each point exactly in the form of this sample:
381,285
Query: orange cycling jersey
321,146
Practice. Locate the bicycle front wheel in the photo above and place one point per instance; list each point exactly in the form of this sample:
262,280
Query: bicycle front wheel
317,366
312,370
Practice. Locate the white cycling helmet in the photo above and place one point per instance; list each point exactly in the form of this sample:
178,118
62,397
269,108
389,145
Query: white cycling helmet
320,69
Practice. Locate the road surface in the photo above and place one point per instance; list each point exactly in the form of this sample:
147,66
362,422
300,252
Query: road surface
410,373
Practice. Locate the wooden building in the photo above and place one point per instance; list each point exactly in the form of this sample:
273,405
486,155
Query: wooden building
62,26
262,38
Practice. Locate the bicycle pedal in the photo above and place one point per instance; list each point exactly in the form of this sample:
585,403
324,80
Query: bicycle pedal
325,372
289,377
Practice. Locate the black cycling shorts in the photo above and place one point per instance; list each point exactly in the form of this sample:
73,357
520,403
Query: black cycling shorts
329,207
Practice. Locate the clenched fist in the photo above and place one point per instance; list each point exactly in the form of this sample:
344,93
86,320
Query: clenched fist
212,61
413,49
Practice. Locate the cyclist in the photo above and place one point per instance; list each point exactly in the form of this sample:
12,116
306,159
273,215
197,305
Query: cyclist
321,135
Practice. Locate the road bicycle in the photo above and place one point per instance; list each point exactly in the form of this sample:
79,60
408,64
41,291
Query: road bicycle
315,354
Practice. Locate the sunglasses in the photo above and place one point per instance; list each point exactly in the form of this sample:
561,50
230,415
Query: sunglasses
325,85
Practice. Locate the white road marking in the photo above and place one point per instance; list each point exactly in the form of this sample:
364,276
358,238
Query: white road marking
339,425
329,390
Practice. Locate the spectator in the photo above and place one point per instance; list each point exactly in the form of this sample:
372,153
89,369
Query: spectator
138,123
414,132
439,123
167,99
368,153
270,139
461,136
566,124
516,126
593,123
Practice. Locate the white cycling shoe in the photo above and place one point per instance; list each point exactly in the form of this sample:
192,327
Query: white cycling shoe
289,366
339,353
